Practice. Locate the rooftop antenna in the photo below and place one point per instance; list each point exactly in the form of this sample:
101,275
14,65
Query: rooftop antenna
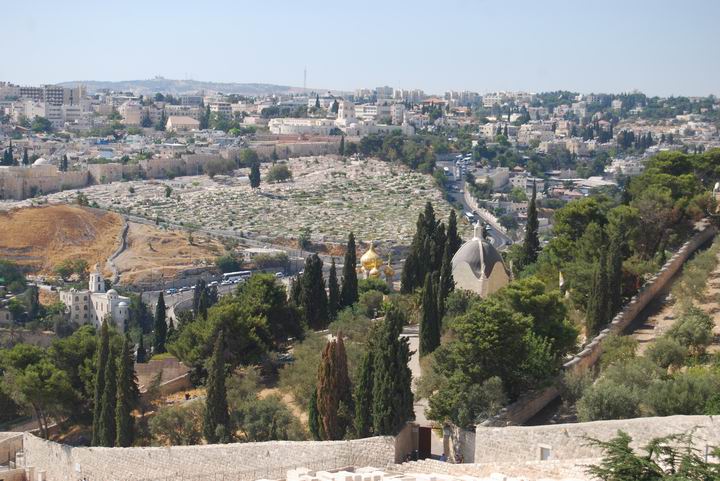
305,80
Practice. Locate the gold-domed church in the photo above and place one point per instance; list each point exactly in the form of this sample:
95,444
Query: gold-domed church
373,267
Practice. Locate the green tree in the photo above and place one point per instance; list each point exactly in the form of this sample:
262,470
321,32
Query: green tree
160,331
429,323
596,314
25,158
216,421
392,404
446,283
160,125
349,290
255,175
314,298
103,357
364,396
314,417
141,352
127,396
333,292
531,245
334,399
107,424
453,238
341,150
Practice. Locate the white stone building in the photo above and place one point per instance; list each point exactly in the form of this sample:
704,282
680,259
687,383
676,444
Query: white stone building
94,304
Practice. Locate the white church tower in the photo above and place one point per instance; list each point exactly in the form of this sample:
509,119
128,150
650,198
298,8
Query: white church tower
97,283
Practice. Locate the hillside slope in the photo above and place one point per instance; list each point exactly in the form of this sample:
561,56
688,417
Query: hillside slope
42,237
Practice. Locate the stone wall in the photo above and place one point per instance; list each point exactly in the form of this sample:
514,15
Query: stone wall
10,443
568,441
23,182
528,406
239,462
295,149
169,368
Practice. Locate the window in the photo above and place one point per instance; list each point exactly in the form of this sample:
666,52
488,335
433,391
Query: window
85,307
77,298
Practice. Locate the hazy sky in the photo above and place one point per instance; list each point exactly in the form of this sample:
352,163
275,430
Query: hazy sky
661,47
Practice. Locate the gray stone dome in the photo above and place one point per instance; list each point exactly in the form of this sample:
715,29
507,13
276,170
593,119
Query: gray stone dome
475,263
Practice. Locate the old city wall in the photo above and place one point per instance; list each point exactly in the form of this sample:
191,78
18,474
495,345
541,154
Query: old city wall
240,461
569,441
295,149
23,182
529,405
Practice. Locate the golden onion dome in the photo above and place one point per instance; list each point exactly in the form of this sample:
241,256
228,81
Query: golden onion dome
370,259
374,272
389,271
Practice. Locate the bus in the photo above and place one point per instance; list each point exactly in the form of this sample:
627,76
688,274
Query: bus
236,276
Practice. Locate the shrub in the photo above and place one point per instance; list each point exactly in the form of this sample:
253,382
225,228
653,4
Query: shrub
667,352
616,349
686,393
228,263
178,425
608,400
370,303
372,284
278,173
694,330
573,385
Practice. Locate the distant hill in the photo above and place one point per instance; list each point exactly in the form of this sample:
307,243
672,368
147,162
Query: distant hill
175,87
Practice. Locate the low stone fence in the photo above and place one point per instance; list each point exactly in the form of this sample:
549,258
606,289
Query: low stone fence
570,441
169,369
529,405
237,462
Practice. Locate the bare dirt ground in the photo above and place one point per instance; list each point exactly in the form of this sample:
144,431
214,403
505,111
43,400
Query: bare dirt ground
42,237
153,252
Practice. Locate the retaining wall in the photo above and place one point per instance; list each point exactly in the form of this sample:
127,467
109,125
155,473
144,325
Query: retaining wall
569,441
528,406
239,461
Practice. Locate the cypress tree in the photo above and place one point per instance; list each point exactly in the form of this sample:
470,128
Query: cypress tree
447,283
216,419
407,278
141,352
453,238
531,246
349,289
333,292
100,368
127,397
203,304
314,417
363,396
255,175
437,247
333,384
429,325
392,403
199,288
314,298
170,330
25,158
107,413
296,291
596,314
160,326
614,270
342,145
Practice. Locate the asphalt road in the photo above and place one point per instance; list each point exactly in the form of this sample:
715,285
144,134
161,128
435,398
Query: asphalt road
497,238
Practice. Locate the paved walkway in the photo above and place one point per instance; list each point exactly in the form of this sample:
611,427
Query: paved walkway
412,333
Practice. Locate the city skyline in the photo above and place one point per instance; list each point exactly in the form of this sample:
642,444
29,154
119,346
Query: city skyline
659,48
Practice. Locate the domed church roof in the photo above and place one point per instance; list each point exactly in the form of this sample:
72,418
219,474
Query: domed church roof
477,266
